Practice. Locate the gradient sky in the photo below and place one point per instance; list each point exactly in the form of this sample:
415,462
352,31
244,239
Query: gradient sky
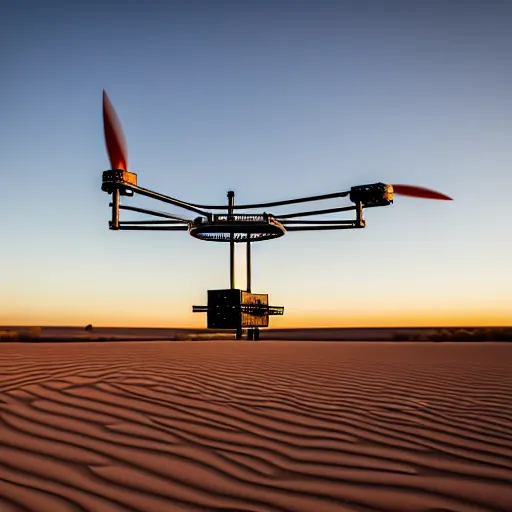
273,100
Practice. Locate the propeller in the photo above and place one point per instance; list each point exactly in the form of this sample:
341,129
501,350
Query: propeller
424,193
115,141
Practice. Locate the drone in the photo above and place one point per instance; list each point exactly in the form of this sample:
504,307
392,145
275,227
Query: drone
234,308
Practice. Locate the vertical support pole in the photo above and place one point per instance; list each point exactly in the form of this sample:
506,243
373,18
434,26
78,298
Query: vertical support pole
249,262
231,204
361,223
115,209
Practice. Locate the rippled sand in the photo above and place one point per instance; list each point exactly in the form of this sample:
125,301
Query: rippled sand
255,426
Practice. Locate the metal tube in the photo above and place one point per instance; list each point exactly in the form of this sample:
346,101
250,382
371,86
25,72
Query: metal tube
198,208
151,223
124,227
315,212
249,262
115,209
165,199
360,215
231,204
322,197
322,228
232,262
315,222
154,213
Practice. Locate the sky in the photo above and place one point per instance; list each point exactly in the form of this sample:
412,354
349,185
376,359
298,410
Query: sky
273,100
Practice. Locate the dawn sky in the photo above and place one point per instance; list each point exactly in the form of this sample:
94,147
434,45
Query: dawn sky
273,100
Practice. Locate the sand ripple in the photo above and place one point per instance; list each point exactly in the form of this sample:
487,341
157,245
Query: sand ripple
244,426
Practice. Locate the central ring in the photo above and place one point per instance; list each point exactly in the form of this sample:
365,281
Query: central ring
240,228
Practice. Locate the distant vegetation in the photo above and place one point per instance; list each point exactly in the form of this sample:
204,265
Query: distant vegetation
31,333
408,336
475,334
34,334
459,334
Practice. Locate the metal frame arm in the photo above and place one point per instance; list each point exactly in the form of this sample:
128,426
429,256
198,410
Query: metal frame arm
153,213
315,212
151,222
316,222
169,200
283,203
125,227
201,208
288,220
353,225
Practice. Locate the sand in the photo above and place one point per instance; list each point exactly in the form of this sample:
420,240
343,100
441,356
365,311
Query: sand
255,426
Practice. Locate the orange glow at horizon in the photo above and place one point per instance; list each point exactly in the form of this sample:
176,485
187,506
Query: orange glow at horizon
289,321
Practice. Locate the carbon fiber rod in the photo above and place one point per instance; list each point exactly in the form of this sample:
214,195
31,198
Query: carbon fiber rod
154,213
285,202
150,222
198,208
320,228
314,212
153,228
318,222
169,200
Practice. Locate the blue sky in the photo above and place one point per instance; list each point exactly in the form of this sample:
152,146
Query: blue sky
272,100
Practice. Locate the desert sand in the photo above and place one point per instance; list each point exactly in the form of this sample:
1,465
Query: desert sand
255,426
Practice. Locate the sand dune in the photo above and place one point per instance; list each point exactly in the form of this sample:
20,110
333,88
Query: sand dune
255,426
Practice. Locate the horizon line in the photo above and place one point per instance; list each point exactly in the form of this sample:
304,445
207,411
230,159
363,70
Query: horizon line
264,328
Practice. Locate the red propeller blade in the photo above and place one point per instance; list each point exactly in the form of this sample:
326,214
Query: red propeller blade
425,193
114,136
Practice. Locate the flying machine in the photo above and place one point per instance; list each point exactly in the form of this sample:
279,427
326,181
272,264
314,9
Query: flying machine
235,308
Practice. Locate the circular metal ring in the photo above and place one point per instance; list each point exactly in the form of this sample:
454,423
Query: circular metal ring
240,228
